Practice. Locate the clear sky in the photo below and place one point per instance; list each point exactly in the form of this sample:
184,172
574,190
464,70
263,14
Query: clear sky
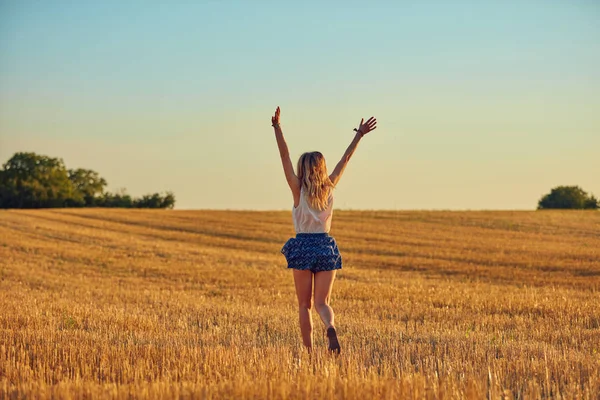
480,104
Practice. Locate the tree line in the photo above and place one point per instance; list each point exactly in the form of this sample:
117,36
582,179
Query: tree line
29,180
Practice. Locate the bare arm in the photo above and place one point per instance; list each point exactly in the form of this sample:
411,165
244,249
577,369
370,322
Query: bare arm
363,129
284,153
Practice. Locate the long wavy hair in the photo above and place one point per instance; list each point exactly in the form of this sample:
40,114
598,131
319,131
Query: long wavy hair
312,173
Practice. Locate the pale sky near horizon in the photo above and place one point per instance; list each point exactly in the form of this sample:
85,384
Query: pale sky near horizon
480,104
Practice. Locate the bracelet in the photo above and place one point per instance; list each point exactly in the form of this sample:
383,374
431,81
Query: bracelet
359,131
277,125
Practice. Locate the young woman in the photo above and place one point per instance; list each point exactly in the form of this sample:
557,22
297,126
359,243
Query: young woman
313,254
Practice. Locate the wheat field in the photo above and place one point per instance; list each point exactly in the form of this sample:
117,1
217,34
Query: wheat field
199,304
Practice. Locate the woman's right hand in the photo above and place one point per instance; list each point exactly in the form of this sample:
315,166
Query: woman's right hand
275,118
366,127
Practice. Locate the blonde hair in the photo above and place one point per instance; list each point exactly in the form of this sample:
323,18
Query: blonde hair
312,173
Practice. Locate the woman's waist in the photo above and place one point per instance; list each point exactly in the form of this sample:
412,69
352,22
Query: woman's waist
312,225
312,229
311,235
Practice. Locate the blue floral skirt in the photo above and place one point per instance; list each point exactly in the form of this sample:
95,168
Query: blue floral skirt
312,251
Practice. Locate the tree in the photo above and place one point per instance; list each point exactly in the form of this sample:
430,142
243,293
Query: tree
29,180
568,197
168,201
87,184
591,203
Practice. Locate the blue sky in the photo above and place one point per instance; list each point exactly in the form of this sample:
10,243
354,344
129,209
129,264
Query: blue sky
481,104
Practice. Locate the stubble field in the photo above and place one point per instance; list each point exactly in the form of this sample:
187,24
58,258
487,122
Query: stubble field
199,304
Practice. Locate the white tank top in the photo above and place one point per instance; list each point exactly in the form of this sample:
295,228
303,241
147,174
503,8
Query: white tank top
308,220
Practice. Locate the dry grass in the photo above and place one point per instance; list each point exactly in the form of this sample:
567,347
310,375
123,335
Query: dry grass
199,304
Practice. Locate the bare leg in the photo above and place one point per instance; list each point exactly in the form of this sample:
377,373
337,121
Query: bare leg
303,281
323,286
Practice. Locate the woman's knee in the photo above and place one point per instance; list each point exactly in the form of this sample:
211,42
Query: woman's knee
306,304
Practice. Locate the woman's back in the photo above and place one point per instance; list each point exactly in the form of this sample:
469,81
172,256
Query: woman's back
309,220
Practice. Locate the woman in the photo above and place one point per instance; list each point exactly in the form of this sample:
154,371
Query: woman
313,254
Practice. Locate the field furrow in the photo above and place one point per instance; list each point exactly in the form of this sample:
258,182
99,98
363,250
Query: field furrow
199,304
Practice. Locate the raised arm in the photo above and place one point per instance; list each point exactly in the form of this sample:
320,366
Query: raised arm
284,153
363,129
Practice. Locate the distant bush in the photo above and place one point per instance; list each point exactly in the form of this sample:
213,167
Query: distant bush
115,200
29,180
568,197
155,201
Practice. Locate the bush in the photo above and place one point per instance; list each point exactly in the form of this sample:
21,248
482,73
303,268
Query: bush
568,197
155,201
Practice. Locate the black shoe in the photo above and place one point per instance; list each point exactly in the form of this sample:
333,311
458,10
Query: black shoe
334,345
